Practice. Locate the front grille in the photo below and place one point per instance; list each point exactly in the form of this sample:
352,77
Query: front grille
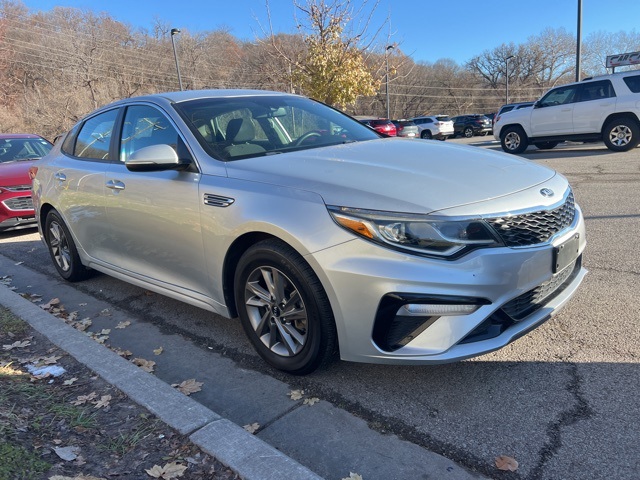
537,227
19,203
18,188
529,302
524,305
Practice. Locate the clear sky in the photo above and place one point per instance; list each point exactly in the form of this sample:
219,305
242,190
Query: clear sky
426,30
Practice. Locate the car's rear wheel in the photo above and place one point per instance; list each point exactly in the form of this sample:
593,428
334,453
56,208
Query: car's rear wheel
426,134
546,145
63,250
468,132
514,140
283,308
621,134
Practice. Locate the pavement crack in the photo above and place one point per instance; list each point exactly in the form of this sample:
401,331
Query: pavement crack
579,411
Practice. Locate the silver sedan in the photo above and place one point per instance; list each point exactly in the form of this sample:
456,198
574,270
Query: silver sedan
318,233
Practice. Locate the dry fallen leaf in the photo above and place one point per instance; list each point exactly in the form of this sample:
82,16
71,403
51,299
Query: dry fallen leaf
123,324
296,394
188,386
158,351
82,399
77,477
68,454
103,402
50,303
122,353
71,381
252,428
51,360
310,401
169,471
353,476
83,324
105,312
22,344
504,462
146,365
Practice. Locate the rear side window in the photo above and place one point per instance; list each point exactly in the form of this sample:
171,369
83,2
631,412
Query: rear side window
506,109
596,91
633,83
443,118
94,139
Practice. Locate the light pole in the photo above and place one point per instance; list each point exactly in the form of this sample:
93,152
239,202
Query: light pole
579,42
174,31
506,93
389,47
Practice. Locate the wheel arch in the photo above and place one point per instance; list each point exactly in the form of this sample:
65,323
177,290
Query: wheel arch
617,115
503,128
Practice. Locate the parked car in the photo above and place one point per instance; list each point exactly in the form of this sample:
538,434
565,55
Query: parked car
314,230
18,152
470,125
435,126
380,125
406,128
599,108
511,106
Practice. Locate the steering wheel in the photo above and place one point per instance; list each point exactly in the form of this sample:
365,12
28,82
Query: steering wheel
306,136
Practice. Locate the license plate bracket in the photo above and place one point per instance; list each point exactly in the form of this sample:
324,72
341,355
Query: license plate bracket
566,253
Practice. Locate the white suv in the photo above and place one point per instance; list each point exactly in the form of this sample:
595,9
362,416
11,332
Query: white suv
599,108
435,126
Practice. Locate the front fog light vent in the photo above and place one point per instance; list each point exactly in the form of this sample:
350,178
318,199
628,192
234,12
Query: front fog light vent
433,310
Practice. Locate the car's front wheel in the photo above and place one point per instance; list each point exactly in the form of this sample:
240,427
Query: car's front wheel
621,134
63,250
514,140
468,132
283,308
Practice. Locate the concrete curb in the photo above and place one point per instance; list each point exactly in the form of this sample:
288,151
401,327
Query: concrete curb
245,454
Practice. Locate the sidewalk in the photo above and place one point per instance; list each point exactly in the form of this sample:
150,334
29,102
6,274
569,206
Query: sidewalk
295,440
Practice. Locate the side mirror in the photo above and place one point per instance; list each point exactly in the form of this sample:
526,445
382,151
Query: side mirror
155,158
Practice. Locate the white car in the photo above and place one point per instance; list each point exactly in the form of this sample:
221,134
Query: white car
599,108
314,230
439,127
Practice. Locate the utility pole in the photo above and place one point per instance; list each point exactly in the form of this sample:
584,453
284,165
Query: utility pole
389,47
175,31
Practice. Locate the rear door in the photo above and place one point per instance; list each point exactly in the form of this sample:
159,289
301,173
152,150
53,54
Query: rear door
596,100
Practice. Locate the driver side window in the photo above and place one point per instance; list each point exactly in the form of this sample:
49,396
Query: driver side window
145,126
559,96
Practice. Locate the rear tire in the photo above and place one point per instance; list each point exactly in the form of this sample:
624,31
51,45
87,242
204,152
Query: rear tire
468,132
63,250
283,308
514,140
621,134
426,134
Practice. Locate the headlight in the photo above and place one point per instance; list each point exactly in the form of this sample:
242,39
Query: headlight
416,233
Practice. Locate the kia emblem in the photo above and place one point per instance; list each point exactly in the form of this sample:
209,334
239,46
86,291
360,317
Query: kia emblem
546,192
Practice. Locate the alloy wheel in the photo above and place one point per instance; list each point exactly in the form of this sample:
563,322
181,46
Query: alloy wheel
59,246
620,135
276,311
512,140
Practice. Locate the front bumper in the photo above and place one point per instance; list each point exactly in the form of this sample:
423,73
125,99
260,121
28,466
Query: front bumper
362,275
16,211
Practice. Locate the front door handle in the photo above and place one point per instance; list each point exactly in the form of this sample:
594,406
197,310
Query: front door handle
115,185
61,177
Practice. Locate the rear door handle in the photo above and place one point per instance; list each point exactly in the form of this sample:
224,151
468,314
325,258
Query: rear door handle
115,185
61,177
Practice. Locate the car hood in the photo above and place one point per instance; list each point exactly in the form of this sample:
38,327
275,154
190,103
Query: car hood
396,174
15,173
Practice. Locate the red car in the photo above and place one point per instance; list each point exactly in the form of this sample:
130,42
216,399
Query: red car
380,125
18,152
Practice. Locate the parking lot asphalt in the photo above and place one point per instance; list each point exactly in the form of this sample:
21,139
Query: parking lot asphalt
562,400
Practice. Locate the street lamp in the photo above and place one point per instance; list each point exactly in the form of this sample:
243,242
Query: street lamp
175,55
389,47
506,93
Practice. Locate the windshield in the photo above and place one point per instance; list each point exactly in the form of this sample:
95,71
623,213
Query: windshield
16,149
233,128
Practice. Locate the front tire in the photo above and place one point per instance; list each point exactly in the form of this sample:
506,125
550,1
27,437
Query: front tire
514,140
621,134
283,308
63,250
546,145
